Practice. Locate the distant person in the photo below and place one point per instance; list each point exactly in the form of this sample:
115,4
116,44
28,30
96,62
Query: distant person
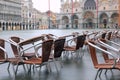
116,26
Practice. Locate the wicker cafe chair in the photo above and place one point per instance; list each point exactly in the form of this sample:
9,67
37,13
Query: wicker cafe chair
46,49
18,50
14,42
109,35
101,66
51,36
15,46
3,53
106,46
76,48
57,51
44,59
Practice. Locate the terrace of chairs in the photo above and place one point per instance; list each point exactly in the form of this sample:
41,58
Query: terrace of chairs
48,50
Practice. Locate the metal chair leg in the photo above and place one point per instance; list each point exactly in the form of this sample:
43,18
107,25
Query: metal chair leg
105,71
97,74
16,69
48,67
8,66
55,65
100,72
29,69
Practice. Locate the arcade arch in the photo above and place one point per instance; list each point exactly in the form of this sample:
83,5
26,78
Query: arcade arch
65,21
114,18
88,20
104,20
74,20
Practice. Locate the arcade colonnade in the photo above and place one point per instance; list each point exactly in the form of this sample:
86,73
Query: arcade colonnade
16,26
89,19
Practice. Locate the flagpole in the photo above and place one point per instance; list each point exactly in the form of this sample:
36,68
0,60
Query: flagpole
49,13
72,12
72,7
97,11
119,15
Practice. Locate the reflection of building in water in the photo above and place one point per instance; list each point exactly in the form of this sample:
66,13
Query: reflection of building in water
10,14
86,14
52,19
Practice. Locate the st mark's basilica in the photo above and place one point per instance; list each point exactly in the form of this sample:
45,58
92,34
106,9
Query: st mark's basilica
88,14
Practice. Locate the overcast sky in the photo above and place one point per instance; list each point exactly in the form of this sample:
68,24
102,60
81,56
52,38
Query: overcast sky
42,5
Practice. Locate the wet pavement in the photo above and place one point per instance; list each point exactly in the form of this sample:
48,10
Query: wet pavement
72,69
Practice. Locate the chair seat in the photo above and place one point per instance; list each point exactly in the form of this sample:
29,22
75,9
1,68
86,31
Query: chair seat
14,60
107,66
111,61
70,48
28,55
33,61
3,60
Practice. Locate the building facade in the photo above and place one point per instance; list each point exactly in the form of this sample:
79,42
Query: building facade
88,14
31,17
10,14
27,14
18,15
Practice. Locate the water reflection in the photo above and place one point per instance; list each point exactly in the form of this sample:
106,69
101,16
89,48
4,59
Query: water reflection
32,33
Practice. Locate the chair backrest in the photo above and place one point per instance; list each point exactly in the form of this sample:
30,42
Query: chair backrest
103,35
2,53
93,53
50,36
105,56
80,41
14,48
109,35
46,50
58,47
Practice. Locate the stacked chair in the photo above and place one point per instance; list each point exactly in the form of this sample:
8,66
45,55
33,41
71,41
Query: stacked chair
110,54
45,46
43,52
76,48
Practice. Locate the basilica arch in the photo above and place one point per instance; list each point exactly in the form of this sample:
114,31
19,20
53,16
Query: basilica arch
88,20
74,21
104,20
114,19
65,21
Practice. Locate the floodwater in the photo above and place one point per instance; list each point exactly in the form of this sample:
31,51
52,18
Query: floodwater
32,33
82,69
